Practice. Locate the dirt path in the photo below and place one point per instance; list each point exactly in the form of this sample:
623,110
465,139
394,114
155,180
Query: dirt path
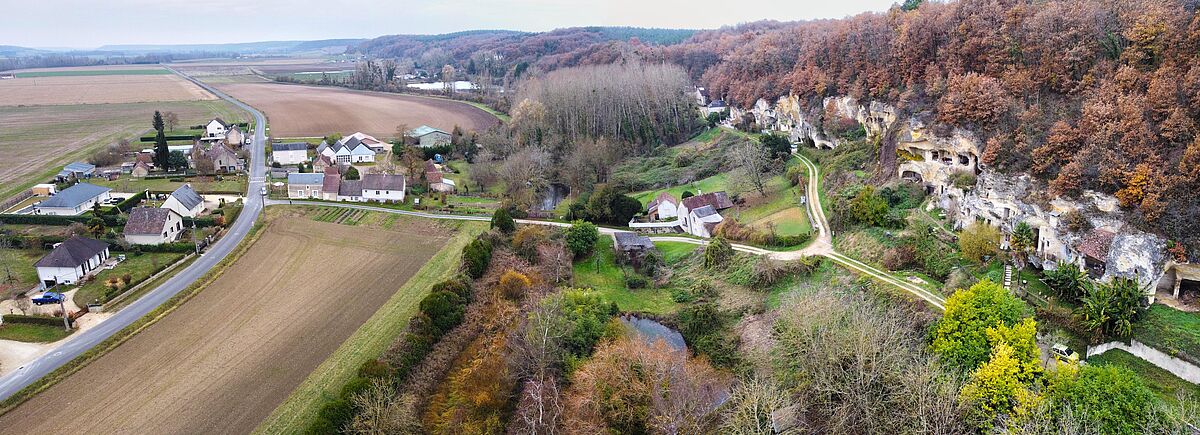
225,359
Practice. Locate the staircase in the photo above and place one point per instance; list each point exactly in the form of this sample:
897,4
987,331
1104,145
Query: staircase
1008,277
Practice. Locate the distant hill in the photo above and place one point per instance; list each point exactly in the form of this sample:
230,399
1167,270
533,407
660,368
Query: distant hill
15,51
335,46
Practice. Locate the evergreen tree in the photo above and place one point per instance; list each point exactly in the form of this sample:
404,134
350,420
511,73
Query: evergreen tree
162,154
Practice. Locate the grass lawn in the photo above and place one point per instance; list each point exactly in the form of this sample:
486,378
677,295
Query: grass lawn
228,183
20,263
1169,330
710,184
1161,381
95,72
708,135
369,341
601,273
674,251
139,267
33,333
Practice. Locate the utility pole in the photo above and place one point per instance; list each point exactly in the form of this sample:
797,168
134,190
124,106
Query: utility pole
195,243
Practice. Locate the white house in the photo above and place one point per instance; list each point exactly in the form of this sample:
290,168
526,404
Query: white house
350,190
291,153
371,142
702,221
427,136
714,107
70,260
347,151
152,226
185,201
663,207
216,128
383,187
73,200
304,185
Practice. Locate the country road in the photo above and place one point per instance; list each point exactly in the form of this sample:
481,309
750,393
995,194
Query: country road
78,344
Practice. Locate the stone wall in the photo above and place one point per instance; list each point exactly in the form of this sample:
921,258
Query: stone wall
1183,369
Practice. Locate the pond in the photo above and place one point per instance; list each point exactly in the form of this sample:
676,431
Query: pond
650,330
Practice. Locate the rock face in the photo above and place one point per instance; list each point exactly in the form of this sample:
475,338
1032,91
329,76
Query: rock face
1004,201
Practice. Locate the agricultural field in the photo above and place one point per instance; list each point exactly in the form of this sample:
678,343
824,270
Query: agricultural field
202,184
222,361
296,110
36,141
82,87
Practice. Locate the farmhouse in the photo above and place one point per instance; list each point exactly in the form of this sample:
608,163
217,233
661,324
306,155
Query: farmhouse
140,170
216,128
427,136
73,200
152,226
301,186
663,207
347,151
185,201
631,248
371,142
437,183
290,153
383,187
70,261
224,159
77,170
698,215
350,190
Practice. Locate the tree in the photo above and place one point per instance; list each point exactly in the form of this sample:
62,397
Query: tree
1021,244
606,205
96,227
448,79
1109,398
960,337
171,120
476,257
177,160
503,221
973,97
1067,280
162,154
1111,308
717,252
979,240
995,388
778,146
582,237
750,408
413,161
445,310
753,163
868,208
351,173
204,164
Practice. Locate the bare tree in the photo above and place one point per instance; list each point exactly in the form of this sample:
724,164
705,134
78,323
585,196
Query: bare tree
753,164
171,119
24,303
448,79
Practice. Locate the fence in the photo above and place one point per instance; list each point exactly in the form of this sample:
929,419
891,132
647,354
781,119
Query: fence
9,203
1183,369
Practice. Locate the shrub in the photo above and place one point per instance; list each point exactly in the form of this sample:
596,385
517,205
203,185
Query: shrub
963,180
445,310
960,337
635,281
979,241
33,320
503,221
899,257
458,286
374,368
717,253
527,239
1067,280
513,284
476,257
582,237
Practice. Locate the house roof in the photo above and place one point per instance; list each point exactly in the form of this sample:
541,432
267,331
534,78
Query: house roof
1096,244
705,211
717,103
79,167
366,139
187,196
141,164
626,240
350,188
332,182
653,205
424,130
323,159
289,146
383,182
430,166
305,178
74,196
220,121
72,252
147,220
665,197
145,157
322,146
332,170
719,201
433,177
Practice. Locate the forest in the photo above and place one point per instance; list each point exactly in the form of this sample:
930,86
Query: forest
1082,94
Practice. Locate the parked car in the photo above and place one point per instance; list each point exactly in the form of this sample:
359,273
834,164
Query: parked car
48,298
1063,353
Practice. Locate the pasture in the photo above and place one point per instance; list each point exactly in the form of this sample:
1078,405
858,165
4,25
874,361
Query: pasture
36,141
296,110
222,361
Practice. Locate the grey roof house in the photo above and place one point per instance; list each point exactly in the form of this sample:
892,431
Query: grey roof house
152,226
79,170
73,200
71,260
185,201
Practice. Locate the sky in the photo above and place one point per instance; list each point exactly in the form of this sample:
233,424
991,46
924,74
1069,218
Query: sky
92,23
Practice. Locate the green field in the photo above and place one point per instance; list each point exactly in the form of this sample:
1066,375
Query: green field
33,333
369,341
229,183
139,267
601,272
1161,381
94,72
19,262
673,252
1169,330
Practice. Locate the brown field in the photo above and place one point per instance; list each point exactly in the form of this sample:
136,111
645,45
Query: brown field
35,141
224,360
299,111
101,89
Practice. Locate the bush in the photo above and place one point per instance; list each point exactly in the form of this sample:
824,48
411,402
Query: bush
444,309
963,180
513,284
33,320
635,281
900,257
526,241
476,257
503,221
979,241
582,237
458,286
717,253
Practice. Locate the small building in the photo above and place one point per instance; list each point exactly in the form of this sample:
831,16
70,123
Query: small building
702,221
140,170
383,187
185,201
715,106
321,162
77,170
332,185
350,190
152,226
663,207
717,200
225,160
290,153
234,137
216,128
371,142
435,180
1093,250
283,172
427,136
43,189
70,261
300,186
631,247
73,201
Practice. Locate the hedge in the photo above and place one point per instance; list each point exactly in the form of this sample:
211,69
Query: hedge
129,203
33,320
177,247
46,219
151,138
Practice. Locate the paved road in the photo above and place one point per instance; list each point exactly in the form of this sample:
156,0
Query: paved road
80,343
822,245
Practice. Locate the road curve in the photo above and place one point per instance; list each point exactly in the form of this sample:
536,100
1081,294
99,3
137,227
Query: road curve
78,344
